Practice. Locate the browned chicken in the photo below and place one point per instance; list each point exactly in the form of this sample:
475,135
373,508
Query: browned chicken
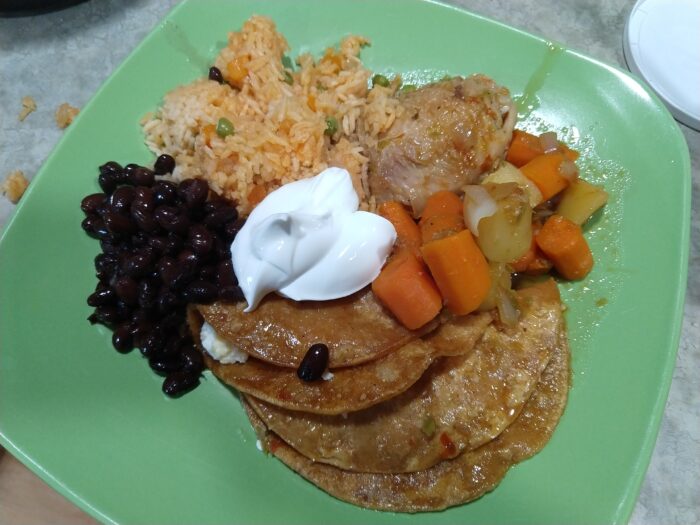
448,134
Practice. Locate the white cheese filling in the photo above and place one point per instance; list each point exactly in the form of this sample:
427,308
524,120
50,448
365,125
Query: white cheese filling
219,348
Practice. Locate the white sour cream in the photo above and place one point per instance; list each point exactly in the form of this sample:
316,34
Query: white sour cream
308,241
218,348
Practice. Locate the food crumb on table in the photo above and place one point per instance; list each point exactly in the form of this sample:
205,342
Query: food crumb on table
65,115
14,186
28,106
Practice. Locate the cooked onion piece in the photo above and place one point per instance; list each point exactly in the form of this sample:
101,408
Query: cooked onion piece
506,235
509,173
478,204
549,142
500,279
568,170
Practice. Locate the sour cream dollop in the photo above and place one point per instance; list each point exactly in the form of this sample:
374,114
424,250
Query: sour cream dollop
308,241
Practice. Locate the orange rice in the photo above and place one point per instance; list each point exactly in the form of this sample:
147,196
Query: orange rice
279,116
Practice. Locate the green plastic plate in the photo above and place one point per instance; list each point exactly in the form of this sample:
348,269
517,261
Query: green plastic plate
94,424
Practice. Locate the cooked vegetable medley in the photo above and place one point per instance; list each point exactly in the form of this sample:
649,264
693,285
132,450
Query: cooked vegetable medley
462,252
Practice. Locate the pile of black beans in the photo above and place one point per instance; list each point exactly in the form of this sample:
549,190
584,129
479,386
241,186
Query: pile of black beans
164,245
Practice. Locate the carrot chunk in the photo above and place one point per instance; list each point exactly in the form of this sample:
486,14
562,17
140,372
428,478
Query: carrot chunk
407,231
533,261
539,265
439,226
256,194
569,153
442,203
236,71
563,243
523,148
543,170
460,271
443,215
406,288
209,132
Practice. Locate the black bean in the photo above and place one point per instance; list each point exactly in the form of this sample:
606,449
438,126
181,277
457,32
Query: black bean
128,169
118,224
192,358
172,321
231,294
92,225
141,176
208,273
103,234
164,264
172,219
103,295
193,192
165,364
109,181
139,328
175,275
113,247
189,259
164,192
122,339
108,315
146,314
164,164
200,292
151,343
110,248
167,302
214,203
158,244
146,195
232,228
178,383
122,198
111,167
222,249
124,309
215,75
92,203
225,275
314,363
220,216
138,264
127,289
144,219
170,272
141,239
105,264
148,293
175,244
172,346
200,239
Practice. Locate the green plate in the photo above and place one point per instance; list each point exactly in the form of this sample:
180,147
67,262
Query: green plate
94,424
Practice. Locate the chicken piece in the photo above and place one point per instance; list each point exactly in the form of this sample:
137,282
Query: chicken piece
448,134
